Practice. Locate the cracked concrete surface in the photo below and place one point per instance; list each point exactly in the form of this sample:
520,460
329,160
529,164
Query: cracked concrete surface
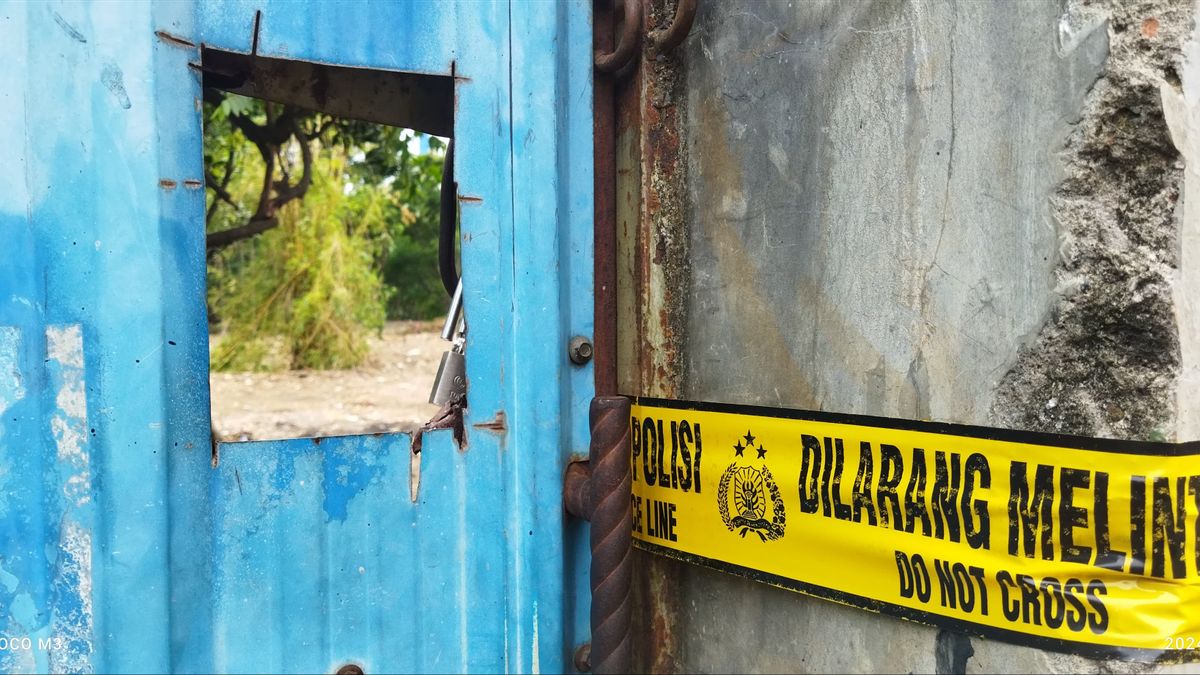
902,238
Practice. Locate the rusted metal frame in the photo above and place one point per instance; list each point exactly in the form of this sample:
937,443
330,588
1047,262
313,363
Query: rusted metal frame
598,490
669,38
631,36
651,181
604,210
410,100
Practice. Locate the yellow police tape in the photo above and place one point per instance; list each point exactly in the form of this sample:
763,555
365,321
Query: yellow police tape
1073,544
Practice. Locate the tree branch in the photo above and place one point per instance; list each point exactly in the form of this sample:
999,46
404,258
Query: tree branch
324,127
269,140
287,193
219,240
221,188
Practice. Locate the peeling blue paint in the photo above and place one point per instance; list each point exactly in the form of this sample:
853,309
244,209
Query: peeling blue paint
12,387
349,471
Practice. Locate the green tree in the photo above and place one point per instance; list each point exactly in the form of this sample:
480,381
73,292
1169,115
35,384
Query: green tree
318,229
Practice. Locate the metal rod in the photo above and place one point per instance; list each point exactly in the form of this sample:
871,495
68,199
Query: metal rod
604,338
631,36
450,327
448,222
668,39
612,534
598,490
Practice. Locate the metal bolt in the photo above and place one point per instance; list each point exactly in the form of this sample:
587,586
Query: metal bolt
580,350
350,669
583,655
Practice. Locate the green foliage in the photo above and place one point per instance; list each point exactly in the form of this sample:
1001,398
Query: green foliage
360,246
309,290
411,267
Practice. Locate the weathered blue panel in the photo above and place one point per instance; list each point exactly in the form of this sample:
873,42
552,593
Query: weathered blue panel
552,187
320,541
122,548
101,272
414,35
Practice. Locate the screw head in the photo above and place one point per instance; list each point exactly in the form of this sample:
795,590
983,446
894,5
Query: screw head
580,350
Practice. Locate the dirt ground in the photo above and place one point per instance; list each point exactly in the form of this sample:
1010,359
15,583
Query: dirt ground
388,393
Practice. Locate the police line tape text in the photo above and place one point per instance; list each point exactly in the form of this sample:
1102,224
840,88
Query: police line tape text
1047,506
680,468
1073,603
656,519
937,495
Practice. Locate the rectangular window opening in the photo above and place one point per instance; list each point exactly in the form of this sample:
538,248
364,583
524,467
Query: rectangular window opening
322,217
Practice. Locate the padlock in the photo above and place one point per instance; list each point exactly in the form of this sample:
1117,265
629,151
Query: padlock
451,380
450,383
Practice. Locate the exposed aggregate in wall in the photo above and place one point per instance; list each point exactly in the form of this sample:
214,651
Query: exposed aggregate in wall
1106,362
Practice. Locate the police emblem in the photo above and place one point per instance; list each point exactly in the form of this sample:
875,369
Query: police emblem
751,494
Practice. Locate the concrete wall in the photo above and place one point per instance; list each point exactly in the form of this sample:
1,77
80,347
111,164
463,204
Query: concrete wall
963,211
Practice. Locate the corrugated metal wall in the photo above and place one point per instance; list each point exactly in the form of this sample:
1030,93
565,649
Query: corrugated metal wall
121,547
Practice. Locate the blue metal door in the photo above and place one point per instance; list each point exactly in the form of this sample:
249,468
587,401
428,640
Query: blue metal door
124,546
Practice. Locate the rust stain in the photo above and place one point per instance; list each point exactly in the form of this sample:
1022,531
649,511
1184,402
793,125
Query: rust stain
193,184
470,199
652,170
167,184
665,597
174,40
498,424
458,77
1150,27
449,416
